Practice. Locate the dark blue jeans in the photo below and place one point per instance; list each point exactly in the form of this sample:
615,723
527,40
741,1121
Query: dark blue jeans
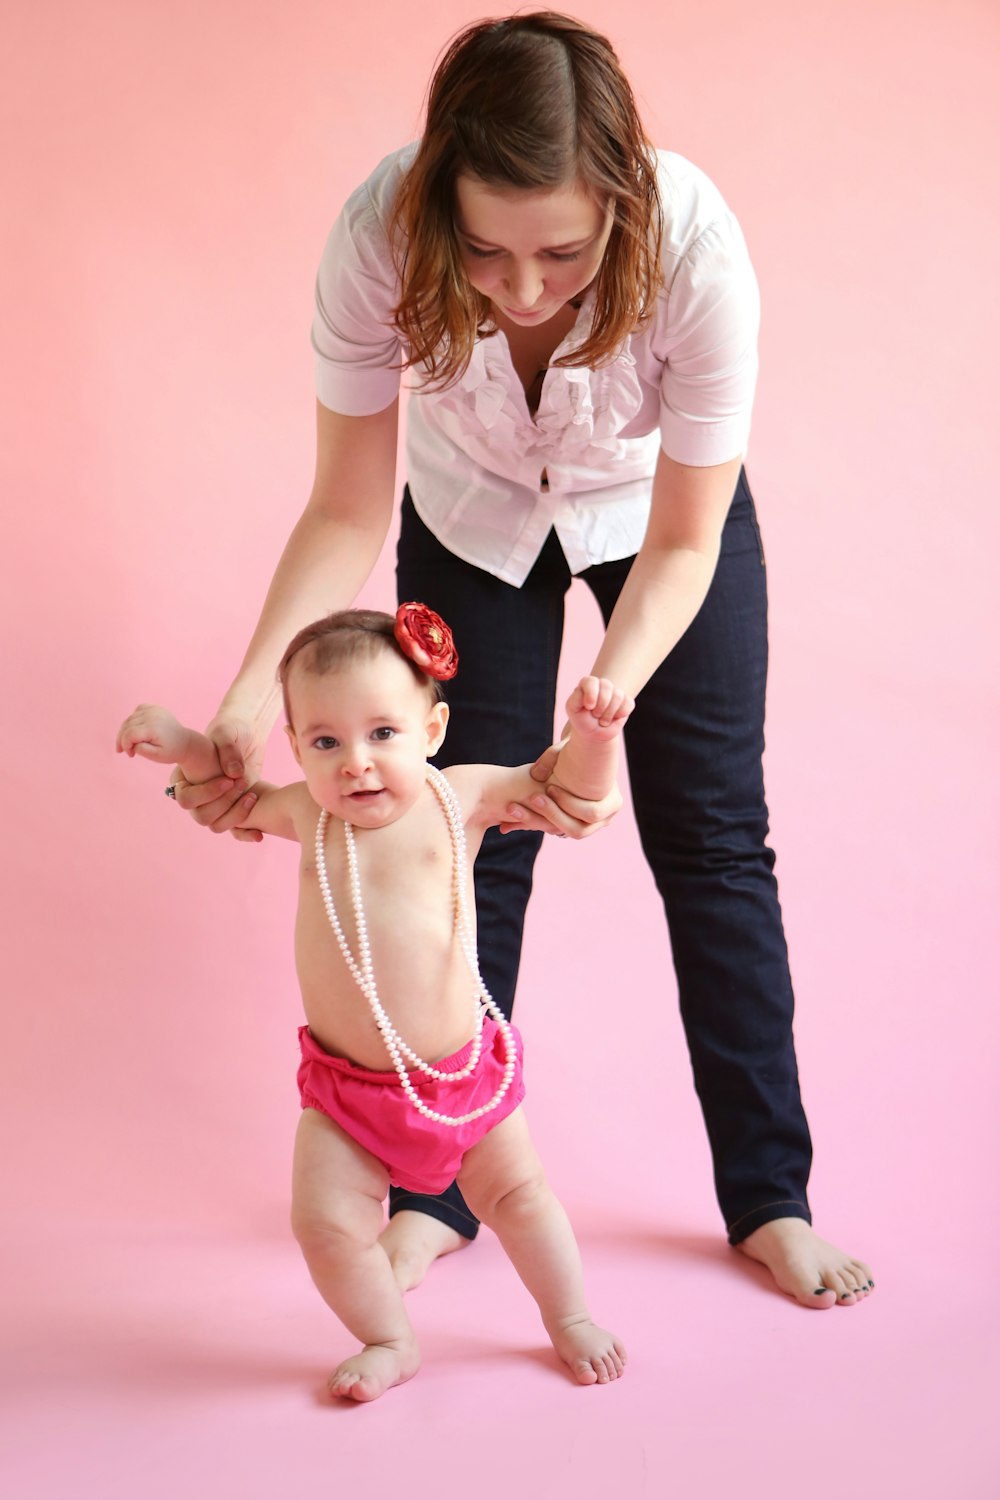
694,747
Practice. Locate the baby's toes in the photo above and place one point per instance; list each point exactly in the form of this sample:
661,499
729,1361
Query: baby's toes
585,1372
341,1381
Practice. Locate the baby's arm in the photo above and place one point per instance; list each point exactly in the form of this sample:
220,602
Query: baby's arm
588,762
155,734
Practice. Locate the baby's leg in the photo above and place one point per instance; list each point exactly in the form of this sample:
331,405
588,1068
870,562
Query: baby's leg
504,1184
337,1194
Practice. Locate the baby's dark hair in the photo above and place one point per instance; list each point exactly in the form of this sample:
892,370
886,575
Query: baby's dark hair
348,635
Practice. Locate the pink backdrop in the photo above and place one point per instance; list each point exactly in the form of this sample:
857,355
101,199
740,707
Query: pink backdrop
175,170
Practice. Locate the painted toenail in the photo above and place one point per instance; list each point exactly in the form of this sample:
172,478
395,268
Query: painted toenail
821,1291
872,1285
844,1296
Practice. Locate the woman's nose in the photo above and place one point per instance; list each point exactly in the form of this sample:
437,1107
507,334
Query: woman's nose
524,283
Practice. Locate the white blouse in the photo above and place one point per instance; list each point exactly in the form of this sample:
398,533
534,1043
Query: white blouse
475,455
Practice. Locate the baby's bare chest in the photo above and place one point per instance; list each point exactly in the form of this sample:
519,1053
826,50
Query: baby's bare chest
401,901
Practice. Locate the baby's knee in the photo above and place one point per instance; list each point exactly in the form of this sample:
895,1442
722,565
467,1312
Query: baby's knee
323,1233
517,1203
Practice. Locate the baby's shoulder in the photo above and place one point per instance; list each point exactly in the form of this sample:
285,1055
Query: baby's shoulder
466,782
301,809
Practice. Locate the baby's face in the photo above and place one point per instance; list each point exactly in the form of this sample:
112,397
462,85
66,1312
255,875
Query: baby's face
362,735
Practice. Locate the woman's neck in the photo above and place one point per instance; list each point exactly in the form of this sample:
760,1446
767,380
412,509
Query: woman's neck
531,349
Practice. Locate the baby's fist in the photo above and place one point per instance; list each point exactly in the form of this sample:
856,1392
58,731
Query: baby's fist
149,731
596,707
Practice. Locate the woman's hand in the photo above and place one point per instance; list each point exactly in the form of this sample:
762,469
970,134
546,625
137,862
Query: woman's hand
555,810
223,802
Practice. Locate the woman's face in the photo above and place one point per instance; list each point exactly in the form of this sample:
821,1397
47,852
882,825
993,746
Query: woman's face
530,252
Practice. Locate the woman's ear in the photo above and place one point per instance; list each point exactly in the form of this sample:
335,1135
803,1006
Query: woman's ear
437,725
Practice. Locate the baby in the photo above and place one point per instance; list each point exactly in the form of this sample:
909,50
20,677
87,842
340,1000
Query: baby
409,1073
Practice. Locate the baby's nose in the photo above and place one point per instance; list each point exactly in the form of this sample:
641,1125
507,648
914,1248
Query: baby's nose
354,762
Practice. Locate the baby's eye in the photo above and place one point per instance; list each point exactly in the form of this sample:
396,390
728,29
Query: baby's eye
324,742
383,732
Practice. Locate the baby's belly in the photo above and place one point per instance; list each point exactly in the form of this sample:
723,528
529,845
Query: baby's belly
434,1012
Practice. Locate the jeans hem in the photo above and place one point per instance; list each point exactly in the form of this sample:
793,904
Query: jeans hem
784,1208
447,1213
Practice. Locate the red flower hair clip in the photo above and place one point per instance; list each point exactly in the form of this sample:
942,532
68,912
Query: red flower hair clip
426,640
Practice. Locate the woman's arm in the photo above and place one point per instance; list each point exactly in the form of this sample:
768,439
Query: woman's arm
672,572
664,591
330,553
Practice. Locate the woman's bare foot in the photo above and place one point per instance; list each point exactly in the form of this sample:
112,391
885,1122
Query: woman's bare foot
594,1355
413,1242
376,1367
809,1269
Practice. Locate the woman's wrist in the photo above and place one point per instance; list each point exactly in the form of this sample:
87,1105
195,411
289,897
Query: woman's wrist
257,707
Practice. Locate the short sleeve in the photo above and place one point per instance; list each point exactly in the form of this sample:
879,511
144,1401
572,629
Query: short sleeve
709,347
358,355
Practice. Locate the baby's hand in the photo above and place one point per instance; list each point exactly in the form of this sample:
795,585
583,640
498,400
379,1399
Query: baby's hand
154,733
597,709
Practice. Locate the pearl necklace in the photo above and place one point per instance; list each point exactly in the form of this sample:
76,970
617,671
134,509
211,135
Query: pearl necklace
363,973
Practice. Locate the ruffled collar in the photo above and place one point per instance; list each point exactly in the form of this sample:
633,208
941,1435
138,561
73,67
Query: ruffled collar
580,413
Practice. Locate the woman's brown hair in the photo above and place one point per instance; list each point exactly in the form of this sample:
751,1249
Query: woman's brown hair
532,101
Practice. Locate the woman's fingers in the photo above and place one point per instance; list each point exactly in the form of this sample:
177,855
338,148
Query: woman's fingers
546,762
219,805
216,795
230,818
222,813
577,810
229,749
543,814
525,819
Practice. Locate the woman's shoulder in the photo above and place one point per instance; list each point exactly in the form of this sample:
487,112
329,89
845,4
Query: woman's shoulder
691,202
371,202
359,240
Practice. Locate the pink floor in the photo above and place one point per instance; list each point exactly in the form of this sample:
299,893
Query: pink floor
195,1366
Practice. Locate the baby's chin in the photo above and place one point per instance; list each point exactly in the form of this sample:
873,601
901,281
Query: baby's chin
372,809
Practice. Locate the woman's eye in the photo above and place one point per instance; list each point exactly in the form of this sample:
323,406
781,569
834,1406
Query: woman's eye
483,254
573,255
383,733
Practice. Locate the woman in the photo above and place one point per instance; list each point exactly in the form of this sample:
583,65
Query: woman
578,316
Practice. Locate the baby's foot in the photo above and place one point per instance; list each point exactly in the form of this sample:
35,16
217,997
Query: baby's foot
413,1242
813,1271
370,1372
594,1355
